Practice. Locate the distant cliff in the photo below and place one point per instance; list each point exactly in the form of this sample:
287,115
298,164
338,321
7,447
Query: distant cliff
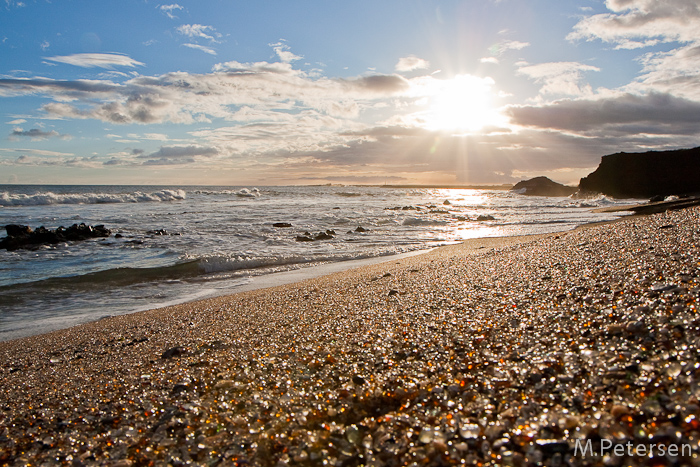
542,186
643,175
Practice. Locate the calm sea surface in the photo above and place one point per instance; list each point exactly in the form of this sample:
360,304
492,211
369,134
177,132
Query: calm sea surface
218,239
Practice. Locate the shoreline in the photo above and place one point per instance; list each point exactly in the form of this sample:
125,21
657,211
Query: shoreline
297,276
488,352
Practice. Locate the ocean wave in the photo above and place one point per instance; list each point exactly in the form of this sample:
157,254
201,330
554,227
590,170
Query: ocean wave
189,269
596,202
243,192
42,199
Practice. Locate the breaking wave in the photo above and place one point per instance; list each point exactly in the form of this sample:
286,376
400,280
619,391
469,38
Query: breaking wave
47,198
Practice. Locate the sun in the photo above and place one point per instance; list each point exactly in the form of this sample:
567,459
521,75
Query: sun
463,104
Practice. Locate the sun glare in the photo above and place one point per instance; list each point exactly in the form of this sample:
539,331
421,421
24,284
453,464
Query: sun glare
461,104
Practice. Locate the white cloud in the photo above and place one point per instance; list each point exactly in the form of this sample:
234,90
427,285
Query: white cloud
283,52
169,9
559,78
38,152
676,72
502,47
668,20
411,63
45,45
493,60
626,44
156,136
100,60
636,24
199,31
18,121
274,88
204,49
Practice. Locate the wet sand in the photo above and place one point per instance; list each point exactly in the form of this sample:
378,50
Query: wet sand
497,351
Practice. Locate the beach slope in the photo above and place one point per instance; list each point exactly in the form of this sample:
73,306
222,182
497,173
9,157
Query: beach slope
495,351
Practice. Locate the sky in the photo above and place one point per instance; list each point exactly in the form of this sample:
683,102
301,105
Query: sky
443,92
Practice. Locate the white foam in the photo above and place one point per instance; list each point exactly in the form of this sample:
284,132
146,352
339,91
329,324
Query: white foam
48,198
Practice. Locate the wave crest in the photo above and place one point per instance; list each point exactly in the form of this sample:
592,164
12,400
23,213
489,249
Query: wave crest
42,199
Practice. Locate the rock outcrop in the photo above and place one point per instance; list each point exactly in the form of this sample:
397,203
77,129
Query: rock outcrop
543,186
644,175
22,236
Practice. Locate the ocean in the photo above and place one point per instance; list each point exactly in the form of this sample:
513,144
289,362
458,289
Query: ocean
181,243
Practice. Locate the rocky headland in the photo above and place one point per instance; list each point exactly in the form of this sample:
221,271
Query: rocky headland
646,175
543,186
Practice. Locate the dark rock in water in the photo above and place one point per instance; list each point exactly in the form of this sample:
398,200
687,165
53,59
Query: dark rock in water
14,230
281,224
543,186
323,236
22,236
643,175
657,199
486,217
361,229
447,203
157,232
307,237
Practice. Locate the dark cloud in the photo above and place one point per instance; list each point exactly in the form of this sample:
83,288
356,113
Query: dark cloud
181,153
356,178
166,161
34,133
651,113
379,84
75,89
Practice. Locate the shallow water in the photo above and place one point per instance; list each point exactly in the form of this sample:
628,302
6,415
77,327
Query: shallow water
218,238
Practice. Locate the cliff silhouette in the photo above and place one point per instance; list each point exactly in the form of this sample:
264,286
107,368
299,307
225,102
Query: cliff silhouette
645,175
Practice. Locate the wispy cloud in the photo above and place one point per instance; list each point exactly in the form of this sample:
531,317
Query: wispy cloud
99,60
559,78
45,45
204,49
36,152
411,63
199,31
502,47
36,134
169,9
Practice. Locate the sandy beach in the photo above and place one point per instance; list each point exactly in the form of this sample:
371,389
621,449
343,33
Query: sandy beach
510,351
